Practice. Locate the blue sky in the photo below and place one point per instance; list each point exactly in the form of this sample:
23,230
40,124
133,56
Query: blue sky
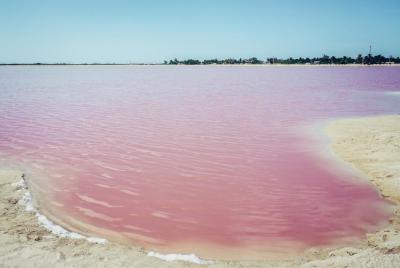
153,31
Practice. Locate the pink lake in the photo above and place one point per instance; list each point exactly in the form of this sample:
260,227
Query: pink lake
218,161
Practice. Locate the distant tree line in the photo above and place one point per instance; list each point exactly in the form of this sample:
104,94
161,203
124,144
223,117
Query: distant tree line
369,59
325,59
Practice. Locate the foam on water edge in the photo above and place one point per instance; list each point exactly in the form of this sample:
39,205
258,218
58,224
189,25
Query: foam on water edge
179,257
26,201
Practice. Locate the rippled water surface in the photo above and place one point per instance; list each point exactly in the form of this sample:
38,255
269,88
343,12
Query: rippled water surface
193,158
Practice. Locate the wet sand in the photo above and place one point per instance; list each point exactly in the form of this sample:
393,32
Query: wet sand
370,145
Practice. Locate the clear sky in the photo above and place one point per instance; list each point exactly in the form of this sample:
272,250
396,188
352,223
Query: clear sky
157,30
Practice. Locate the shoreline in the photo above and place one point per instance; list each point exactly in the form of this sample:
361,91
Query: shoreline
370,145
24,226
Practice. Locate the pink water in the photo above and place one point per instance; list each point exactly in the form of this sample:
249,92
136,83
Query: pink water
190,158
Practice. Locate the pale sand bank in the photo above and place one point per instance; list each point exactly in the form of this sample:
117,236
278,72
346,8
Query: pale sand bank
371,145
394,93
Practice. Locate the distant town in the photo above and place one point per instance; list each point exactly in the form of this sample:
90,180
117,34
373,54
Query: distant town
325,59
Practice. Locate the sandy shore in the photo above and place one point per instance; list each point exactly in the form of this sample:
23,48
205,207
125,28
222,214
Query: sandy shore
371,145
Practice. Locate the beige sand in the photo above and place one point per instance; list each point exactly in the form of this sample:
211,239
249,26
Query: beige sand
372,145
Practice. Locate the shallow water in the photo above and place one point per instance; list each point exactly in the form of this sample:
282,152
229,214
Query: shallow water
195,157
